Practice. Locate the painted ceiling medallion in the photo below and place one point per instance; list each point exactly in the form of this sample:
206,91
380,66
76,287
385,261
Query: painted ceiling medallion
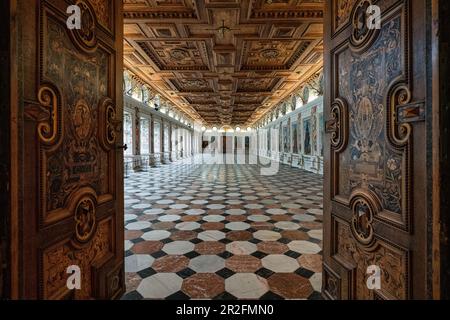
263,52
270,54
179,54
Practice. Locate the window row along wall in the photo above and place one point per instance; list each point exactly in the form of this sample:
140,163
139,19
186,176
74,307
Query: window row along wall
295,139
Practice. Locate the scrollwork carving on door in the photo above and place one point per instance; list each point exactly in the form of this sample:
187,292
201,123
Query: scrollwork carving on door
86,37
362,34
109,125
372,75
49,98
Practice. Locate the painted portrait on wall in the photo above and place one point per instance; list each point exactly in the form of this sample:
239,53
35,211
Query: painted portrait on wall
307,136
299,132
286,138
294,137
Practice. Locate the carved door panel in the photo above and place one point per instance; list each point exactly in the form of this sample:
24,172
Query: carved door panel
72,211
375,176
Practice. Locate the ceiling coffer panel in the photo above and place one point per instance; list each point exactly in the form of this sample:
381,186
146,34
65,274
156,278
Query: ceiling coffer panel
224,62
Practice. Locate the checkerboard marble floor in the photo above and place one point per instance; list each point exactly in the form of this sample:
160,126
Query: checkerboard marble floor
223,232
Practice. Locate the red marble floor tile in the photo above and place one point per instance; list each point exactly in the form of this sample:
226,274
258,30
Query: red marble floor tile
160,206
272,247
236,218
242,263
283,217
183,235
296,211
294,235
311,262
203,285
210,247
215,211
132,281
190,218
312,225
239,235
133,234
147,247
172,263
260,225
173,211
255,211
163,225
213,226
290,285
147,217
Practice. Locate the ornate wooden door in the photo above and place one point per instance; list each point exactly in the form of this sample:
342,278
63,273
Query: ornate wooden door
72,191
375,177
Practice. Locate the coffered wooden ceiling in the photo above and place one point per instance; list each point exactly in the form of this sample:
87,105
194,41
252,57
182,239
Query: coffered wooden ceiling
224,76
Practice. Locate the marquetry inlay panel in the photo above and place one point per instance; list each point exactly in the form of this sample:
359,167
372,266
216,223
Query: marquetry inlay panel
376,217
266,52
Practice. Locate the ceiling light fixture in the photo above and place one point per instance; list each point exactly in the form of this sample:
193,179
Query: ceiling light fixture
222,29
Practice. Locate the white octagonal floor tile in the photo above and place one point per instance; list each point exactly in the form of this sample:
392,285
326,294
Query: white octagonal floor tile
246,286
187,225
237,226
138,262
139,225
302,246
156,235
214,218
287,225
207,264
267,235
194,212
241,247
280,263
178,247
160,285
211,235
316,234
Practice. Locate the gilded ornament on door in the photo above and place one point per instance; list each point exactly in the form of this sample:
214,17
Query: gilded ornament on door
85,220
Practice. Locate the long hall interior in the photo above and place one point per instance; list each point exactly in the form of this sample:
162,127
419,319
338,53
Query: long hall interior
223,122
224,149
